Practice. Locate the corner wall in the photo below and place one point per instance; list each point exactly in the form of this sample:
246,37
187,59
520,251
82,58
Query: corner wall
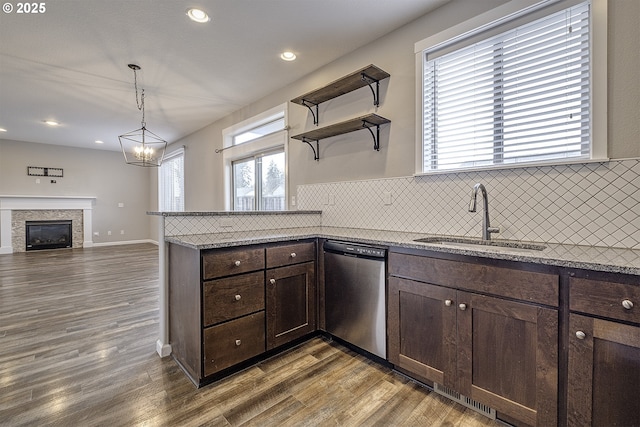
87,172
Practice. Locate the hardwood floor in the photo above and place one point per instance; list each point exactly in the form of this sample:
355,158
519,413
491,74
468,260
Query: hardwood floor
77,348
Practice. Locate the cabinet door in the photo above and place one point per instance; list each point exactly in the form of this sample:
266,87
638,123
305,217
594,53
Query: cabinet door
422,330
290,303
604,373
508,357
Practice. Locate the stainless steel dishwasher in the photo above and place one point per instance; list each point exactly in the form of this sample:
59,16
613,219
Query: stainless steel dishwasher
355,295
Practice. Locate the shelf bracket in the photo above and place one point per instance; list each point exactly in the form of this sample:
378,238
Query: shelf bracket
316,149
376,136
309,105
376,92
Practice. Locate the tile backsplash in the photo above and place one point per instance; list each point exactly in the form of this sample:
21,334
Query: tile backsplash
179,225
593,204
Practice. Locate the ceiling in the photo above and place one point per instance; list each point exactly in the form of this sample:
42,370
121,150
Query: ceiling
69,63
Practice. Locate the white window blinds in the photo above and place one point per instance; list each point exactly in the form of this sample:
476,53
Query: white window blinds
171,183
522,96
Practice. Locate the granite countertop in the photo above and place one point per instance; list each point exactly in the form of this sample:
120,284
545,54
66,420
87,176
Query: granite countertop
573,256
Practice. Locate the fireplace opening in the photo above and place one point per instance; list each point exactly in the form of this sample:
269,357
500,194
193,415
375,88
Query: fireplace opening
48,235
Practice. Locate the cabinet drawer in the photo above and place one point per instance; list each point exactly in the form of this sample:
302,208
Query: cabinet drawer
605,299
231,297
219,263
233,342
290,254
542,288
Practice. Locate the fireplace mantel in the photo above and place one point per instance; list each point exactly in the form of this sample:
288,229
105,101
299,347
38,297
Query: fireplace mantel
9,203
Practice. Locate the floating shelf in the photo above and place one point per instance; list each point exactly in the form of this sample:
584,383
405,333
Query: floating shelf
367,76
365,122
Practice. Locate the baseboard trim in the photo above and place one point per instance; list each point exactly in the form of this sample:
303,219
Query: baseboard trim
162,349
125,242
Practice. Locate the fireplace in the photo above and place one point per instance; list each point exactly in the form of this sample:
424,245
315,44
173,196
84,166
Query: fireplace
48,234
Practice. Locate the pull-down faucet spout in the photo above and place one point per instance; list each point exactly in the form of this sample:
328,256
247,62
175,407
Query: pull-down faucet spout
486,225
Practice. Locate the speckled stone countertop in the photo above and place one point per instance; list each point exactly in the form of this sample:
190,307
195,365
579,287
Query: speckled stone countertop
584,257
233,213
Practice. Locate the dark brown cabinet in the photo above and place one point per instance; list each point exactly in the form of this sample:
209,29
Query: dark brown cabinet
604,354
445,329
220,312
422,330
291,293
508,357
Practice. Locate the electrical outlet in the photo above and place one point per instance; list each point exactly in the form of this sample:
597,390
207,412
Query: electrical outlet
121,231
109,233
387,197
37,180
121,205
293,200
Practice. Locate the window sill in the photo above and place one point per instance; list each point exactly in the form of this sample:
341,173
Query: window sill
511,166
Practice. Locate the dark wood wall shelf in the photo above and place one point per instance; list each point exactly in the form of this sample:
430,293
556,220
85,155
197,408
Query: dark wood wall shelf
367,76
365,122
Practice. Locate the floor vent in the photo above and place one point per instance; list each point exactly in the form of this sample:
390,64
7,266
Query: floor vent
465,401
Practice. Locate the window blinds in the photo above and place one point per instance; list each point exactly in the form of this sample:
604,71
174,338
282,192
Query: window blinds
518,97
171,183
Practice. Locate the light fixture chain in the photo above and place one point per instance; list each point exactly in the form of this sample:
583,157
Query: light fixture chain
139,103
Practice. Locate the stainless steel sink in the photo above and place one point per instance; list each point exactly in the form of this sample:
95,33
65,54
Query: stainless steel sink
501,245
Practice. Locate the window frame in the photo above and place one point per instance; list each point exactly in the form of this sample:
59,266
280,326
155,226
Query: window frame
494,18
179,152
266,144
258,169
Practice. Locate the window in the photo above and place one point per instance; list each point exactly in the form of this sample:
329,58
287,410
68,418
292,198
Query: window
521,96
258,183
259,131
255,162
171,182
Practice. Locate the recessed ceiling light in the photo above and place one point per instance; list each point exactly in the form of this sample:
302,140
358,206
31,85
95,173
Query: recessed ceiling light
198,15
288,56
99,142
51,122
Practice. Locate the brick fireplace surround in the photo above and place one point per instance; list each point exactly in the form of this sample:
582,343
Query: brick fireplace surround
15,210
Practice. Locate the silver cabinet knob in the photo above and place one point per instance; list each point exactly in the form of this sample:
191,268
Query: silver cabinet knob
238,297
448,302
237,263
238,342
627,304
581,335
463,306
272,281
293,254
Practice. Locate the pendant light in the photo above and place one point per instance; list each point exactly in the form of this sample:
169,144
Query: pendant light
142,147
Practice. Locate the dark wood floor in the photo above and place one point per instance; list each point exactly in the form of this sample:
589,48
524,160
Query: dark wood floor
77,348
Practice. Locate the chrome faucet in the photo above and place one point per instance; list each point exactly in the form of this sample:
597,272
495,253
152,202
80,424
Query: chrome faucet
487,229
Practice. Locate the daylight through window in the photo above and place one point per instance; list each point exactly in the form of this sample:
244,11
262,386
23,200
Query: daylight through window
522,96
171,183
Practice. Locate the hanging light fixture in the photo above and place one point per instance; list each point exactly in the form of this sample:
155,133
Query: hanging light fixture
142,147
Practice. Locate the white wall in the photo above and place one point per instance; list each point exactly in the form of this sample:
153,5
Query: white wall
87,172
351,157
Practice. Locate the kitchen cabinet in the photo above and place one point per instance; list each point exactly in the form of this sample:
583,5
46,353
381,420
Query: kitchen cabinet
489,333
604,352
222,315
291,293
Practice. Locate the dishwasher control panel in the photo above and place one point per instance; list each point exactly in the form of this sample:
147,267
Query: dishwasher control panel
355,249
